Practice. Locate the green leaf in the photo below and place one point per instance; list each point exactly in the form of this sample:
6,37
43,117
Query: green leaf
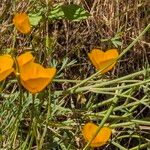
74,12
34,19
71,12
117,43
56,12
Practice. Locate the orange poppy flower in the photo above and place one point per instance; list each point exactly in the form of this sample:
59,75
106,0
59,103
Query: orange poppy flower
21,22
102,137
6,66
102,59
25,58
33,76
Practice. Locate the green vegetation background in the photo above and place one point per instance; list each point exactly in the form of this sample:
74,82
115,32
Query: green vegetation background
53,118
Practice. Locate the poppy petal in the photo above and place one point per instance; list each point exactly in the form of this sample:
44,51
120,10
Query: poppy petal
6,66
102,60
21,22
102,137
35,77
25,58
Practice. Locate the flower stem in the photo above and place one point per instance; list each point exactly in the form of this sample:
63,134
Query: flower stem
47,119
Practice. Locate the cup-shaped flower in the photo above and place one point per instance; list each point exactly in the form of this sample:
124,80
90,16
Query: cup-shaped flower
88,131
21,22
35,77
104,61
6,66
25,58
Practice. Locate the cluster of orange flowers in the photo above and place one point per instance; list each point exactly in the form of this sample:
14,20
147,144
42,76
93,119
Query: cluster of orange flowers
35,77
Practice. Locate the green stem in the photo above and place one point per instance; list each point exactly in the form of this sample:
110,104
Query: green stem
135,41
113,117
141,122
124,124
119,95
15,126
97,81
47,119
2,85
19,82
32,128
33,113
96,90
35,131
128,136
31,140
112,81
108,101
142,146
118,145
131,104
14,138
24,145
